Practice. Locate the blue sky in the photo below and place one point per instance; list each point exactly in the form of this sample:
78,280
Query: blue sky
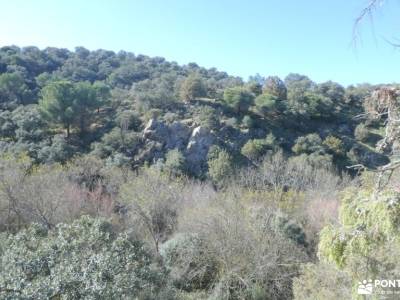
270,37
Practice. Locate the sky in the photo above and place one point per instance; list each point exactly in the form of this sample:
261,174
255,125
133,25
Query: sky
269,37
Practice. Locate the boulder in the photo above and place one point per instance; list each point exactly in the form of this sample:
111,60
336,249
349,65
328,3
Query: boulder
171,136
197,149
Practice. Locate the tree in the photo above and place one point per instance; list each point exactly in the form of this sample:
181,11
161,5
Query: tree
103,93
310,105
332,90
155,93
238,245
367,11
254,87
238,98
13,90
275,86
268,104
69,104
87,99
192,88
56,104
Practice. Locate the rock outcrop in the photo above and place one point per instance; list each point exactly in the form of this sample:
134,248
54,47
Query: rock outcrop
159,137
197,148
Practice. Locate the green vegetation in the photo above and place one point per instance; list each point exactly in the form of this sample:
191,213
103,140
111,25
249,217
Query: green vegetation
238,98
192,88
129,177
85,259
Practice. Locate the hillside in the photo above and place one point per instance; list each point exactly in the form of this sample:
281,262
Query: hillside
145,107
129,177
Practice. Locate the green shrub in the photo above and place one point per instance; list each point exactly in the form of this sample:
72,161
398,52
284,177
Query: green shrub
255,149
192,88
361,133
83,260
268,104
117,141
238,98
364,244
292,230
60,150
220,168
334,146
232,122
207,117
308,144
248,122
129,120
313,160
174,162
190,267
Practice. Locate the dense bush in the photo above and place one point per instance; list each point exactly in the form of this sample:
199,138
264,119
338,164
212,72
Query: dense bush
308,144
85,259
238,98
207,117
269,105
361,132
334,145
189,262
192,88
255,149
220,168
174,163
248,122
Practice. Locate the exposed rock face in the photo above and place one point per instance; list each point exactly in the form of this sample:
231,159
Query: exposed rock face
151,152
155,131
178,136
197,149
194,143
170,136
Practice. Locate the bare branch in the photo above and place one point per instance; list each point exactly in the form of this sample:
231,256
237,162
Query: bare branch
367,11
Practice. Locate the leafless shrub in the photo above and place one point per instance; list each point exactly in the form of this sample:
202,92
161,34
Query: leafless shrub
245,244
278,174
152,201
13,172
46,195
